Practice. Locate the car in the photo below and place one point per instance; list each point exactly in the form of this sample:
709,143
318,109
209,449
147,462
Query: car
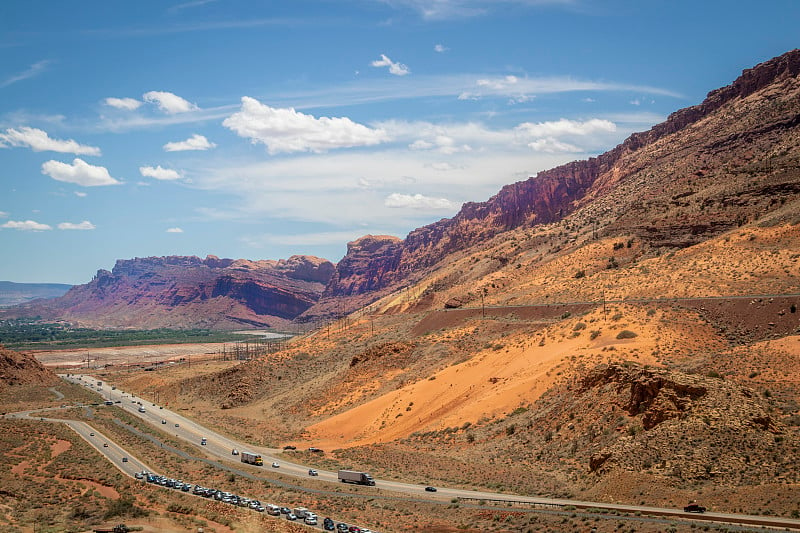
177,425
124,459
234,452
285,510
163,421
341,527
138,475
310,520
291,516
328,525
105,445
91,434
275,465
203,441
315,450
313,472
694,508
430,489
354,529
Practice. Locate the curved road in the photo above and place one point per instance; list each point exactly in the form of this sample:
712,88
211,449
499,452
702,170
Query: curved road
221,447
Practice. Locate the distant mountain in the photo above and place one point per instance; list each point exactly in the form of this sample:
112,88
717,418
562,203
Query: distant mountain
189,292
17,293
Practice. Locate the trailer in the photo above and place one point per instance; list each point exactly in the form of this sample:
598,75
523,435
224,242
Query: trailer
359,478
252,458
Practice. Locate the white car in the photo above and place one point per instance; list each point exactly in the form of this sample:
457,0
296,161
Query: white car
234,452
313,472
275,465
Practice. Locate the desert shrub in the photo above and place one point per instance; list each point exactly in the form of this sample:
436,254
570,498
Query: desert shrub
579,274
626,334
594,334
125,506
579,326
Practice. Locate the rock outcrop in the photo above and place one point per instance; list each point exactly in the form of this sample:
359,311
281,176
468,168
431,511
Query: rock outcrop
22,369
187,292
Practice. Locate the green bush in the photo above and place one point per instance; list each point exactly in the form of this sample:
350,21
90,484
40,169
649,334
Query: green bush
626,334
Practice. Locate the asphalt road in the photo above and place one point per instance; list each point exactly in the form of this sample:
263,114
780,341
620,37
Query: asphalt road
220,447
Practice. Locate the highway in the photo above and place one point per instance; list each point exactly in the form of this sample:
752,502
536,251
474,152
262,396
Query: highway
220,447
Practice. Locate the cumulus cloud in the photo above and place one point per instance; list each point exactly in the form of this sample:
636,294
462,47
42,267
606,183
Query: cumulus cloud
159,173
39,141
286,130
3,214
416,201
398,69
81,226
26,225
195,142
551,145
174,230
128,104
79,172
440,48
168,102
565,127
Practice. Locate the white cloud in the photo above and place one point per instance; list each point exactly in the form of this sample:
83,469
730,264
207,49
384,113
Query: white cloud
416,201
174,230
195,142
159,173
129,104
27,225
168,102
398,69
80,194
79,172
39,141
565,127
440,48
3,214
452,9
286,130
498,83
34,70
83,226
551,145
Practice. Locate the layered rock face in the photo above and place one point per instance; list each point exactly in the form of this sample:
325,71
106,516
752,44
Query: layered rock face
699,173
182,292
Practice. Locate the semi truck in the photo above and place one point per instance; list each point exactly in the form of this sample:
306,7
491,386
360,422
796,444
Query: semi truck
359,478
252,458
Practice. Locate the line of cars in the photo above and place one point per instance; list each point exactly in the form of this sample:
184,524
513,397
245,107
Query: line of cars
298,513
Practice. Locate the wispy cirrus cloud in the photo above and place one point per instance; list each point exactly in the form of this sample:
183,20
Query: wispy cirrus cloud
79,172
39,141
450,9
195,142
284,130
32,71
174,230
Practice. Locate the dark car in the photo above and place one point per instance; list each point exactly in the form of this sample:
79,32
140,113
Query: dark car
694,508
430,489
124,459
328,525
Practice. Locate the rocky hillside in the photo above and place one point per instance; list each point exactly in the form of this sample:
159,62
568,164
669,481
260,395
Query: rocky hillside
22,369
187,292
707,169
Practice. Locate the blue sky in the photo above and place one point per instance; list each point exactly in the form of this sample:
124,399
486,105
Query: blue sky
264,129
